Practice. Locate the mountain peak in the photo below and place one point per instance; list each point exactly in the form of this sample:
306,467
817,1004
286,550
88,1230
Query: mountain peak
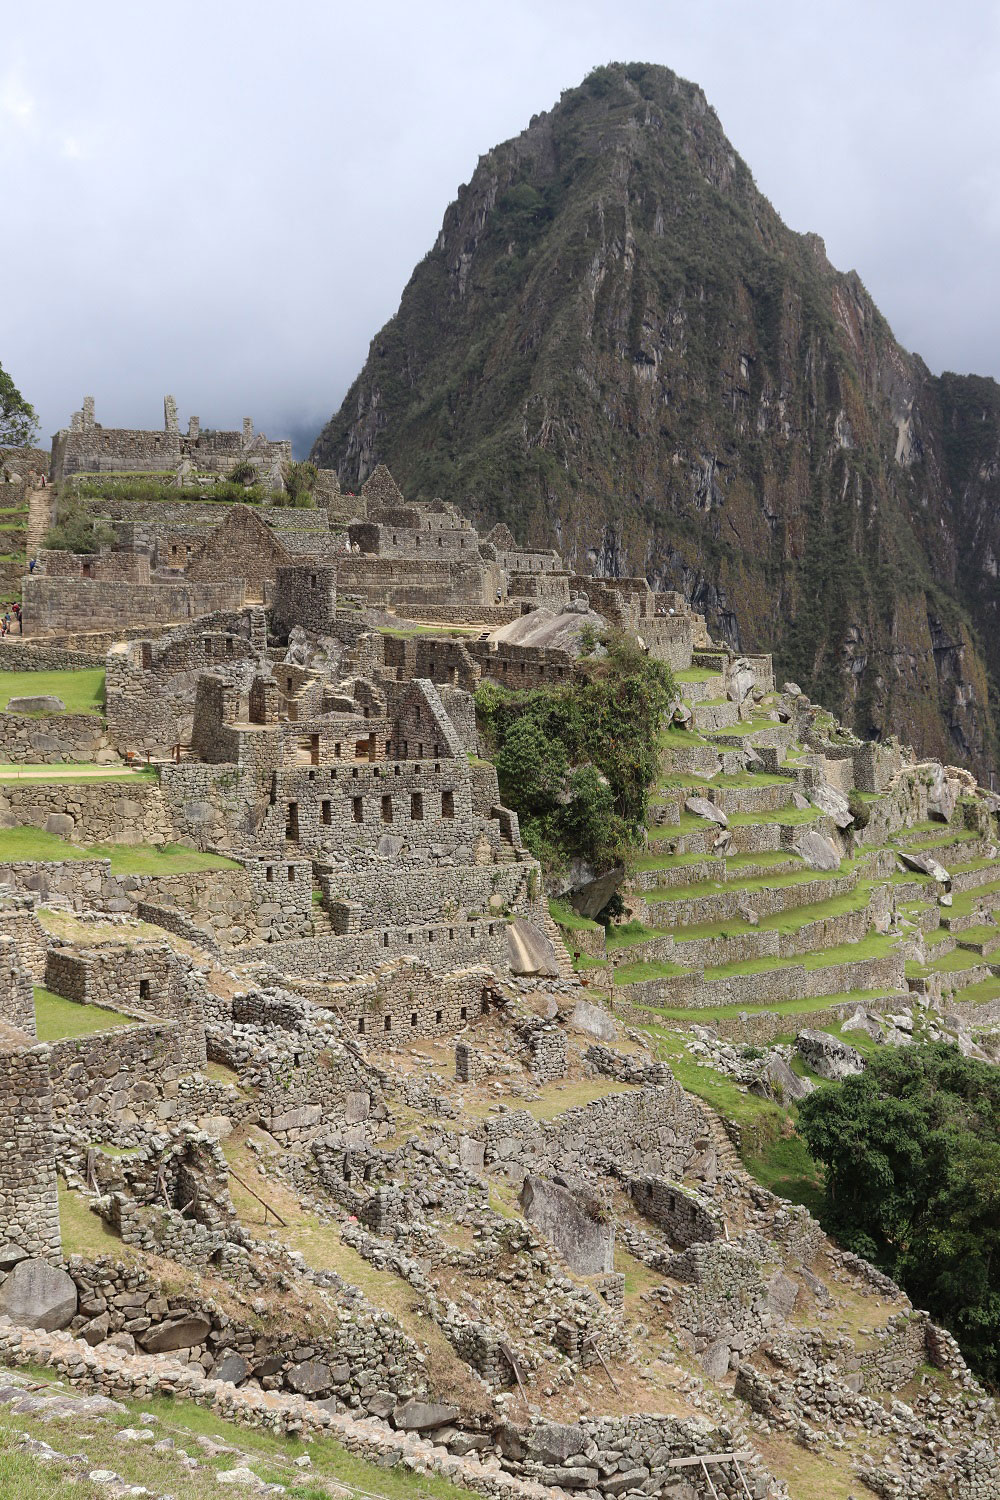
617,346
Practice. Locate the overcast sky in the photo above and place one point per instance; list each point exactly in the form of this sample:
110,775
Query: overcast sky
224,200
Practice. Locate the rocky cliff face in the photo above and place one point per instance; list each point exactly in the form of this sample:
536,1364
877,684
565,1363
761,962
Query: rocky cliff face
616,346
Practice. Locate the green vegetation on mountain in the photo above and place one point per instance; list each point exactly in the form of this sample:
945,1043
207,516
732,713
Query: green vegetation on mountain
617,347
576,763
911,1149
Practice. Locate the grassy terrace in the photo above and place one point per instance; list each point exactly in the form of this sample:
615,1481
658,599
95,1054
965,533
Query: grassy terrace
697,674
74,774
797,1007
777,882
743,779
81,690
57,1018
873,946
17,844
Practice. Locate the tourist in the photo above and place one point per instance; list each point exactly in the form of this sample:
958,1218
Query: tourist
31,565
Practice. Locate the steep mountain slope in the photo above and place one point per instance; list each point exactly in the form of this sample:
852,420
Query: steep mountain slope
616,346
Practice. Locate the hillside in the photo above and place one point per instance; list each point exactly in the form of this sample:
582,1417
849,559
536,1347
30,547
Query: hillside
617,347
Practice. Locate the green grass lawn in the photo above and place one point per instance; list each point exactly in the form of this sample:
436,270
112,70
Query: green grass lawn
126,859
73,774
562,913
705,1015
57,1018
697,674
81,690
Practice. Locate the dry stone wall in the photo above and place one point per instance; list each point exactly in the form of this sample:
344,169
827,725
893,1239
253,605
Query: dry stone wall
29,1205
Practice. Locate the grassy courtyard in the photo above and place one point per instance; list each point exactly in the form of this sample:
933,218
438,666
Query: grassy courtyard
126,859
81,690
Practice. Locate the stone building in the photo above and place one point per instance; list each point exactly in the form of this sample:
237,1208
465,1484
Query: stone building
85,447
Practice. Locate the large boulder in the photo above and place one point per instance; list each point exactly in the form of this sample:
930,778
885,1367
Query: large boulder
585,1243
554,1442
37,1295
702,808
182,1333
41,703
819,852
942,794
777,1081
530,951
311,1377
832,802
591,892
422,1416
595,1019
925,864
827,1055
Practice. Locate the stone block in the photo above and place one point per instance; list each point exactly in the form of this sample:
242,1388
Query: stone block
37,1295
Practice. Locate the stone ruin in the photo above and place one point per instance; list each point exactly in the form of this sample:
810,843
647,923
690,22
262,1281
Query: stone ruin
365,1017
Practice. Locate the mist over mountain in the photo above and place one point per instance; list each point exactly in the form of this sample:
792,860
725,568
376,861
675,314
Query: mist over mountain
616,346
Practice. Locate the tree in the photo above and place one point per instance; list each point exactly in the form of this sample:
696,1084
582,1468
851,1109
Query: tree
912,1155
18,419
576,762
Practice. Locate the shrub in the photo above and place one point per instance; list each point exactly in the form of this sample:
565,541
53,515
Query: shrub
78,531
859,809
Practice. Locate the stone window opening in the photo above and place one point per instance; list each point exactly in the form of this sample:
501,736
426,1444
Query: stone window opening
387,1023
274,789
420,751
396,769
447,804
291,877
440,541
409,937
451,934
416,806
229,645
143,989
413,1018
385,940
269,874
292,823
358,809
437,752
361,1026
438,1017
325,813
491,929
312,580
377,772
472,932
464,1013
430,934
387,809
312,775
336,751
354,772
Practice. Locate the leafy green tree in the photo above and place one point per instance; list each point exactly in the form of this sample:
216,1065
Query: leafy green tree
576,762
911,1149
18,419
